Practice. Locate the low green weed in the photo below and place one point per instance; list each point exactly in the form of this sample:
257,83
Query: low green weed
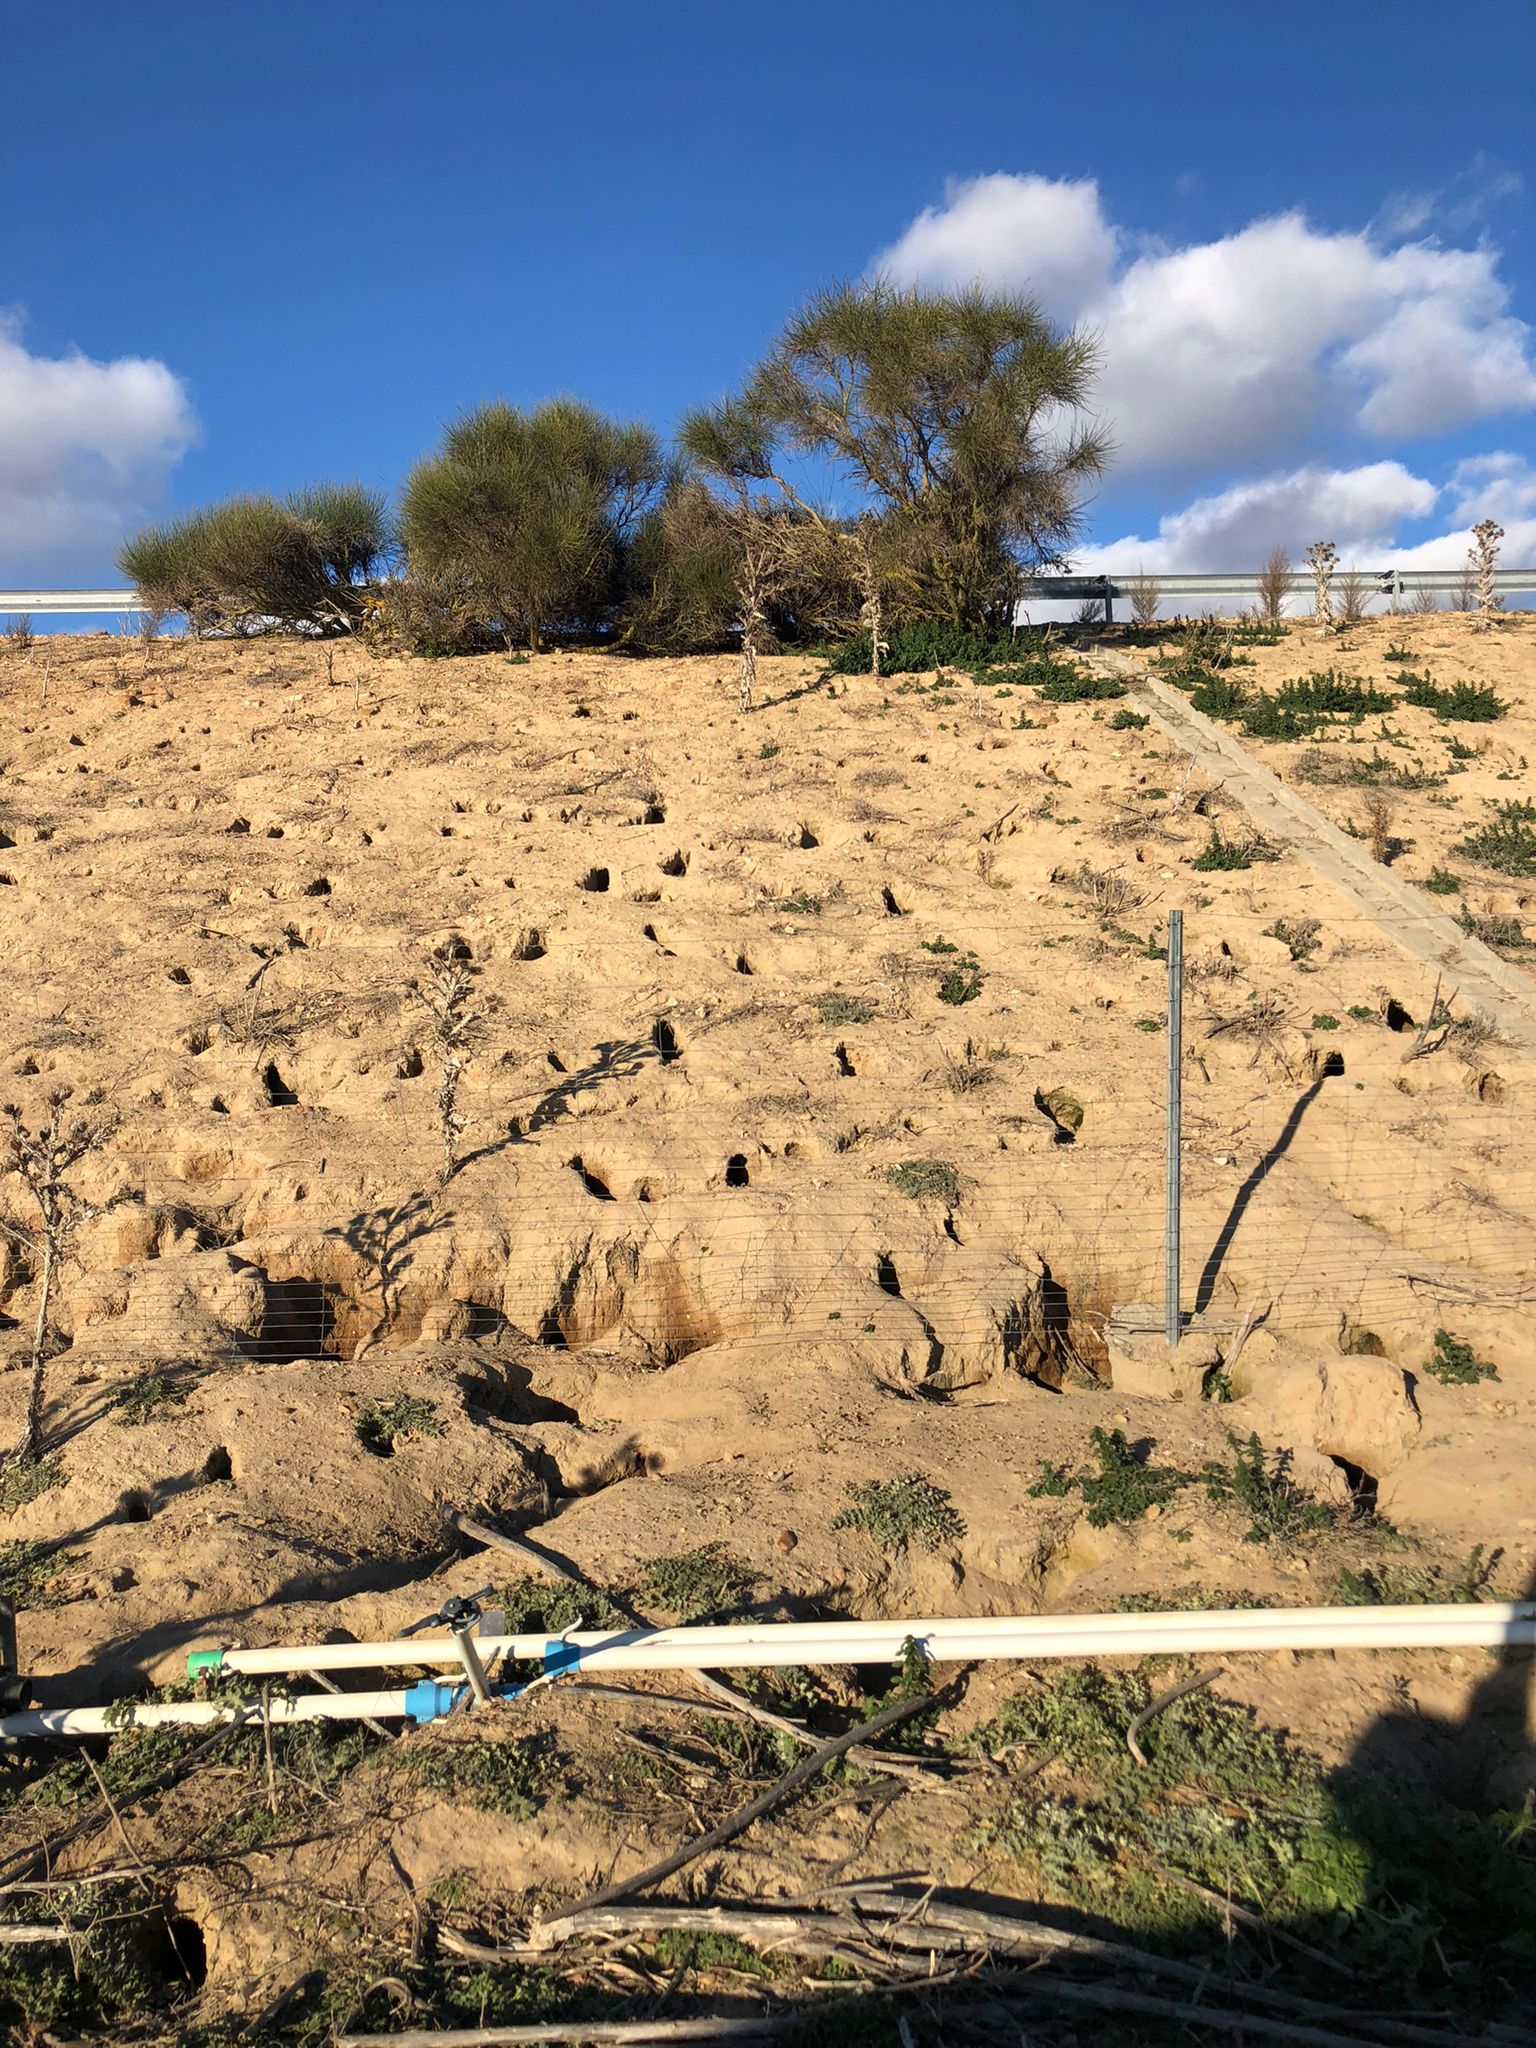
708,1580
1259,1486
383,1424
1403,1585
898,1513
1221,856
1468,703
1126,720
509,1775
836,1008
29,1573
1455,1364
20,1485
1441,882
1123,1487
1072,686
143,1399
1508,841
927,1179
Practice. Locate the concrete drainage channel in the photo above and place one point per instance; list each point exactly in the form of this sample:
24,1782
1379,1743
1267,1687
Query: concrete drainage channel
1398,910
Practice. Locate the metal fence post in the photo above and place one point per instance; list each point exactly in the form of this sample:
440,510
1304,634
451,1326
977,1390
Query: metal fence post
1109,600
1175,1104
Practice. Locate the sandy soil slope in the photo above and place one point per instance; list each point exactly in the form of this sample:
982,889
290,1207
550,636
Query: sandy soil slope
748,1206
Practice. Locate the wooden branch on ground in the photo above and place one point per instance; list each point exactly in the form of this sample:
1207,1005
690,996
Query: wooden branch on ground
574,2030
737,1822
886,1925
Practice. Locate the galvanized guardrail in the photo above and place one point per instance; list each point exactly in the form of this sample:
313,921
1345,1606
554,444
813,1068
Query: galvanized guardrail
1392,584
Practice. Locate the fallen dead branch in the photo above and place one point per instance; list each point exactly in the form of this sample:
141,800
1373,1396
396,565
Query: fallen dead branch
880,1929
738,1822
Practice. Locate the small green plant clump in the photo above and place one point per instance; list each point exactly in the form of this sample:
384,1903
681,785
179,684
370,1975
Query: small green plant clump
1221,856
1073,686
927,1179
706,1581
1455,1364
383,1424
507,1775
836,1008
28,1572
1323,1021
1126,720
20,1485
1260,1487
931,644
1404,1585
961,982
142,1399
1468,703
899,1513
1122,1489
1508,841
534,1605
1441,882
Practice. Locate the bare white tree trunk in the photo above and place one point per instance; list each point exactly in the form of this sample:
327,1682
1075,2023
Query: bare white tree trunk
30,1441
1481,559
1322,559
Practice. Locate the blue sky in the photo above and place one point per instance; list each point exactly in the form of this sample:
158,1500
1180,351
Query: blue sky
256,242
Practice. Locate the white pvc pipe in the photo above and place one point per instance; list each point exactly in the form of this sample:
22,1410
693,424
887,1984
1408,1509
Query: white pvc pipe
962,1639
1491,1626
321,1706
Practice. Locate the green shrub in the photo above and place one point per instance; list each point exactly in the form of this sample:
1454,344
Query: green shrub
1469,703
299,561
1123,1487
1508,841
1071,686
962,982
530,512
21,1484
836,1008
1441,882
142,1399
1259,1487
931,644
1219,697
898,1513
927,1179
1221,856
1324,1022
706,1581
1455,1364
383,1424
1126,720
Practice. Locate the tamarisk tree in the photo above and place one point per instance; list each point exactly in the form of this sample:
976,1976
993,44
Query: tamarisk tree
43,1159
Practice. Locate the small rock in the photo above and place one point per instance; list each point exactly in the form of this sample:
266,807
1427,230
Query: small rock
787,1539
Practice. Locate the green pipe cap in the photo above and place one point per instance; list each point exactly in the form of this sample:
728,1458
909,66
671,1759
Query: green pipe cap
204,1660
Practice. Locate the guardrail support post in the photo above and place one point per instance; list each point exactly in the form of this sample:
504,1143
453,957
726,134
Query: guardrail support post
1109,600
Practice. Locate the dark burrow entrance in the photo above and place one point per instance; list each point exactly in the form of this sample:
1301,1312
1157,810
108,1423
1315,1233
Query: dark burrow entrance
886,1276
279,1094
593,1184
736,1175
298,1323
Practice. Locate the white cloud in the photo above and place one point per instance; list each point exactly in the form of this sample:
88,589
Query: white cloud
1500,485
1358,509
1245,348
85,448
1042,235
